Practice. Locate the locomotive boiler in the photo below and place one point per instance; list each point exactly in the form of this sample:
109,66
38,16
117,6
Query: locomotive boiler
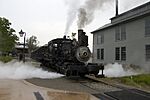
68,56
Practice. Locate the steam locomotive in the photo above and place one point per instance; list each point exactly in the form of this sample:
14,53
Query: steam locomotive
68,56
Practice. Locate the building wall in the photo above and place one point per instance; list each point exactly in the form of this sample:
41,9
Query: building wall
135,44
107,45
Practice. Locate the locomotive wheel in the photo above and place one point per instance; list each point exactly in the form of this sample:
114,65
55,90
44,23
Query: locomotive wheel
58,70
96,73
67,73
82,75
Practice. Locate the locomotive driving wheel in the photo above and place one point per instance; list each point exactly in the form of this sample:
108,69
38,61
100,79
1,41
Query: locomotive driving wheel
82,75
67,73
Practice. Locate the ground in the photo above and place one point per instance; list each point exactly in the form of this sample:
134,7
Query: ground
22,90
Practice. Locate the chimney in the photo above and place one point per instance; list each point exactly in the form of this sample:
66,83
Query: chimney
82,38
116,7
64,37
80,32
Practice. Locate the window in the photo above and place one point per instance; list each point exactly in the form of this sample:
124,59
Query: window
123,32
147,52
147,27
123,53
100,39
98,53
117,53
102,54
120,33
117,33
120,53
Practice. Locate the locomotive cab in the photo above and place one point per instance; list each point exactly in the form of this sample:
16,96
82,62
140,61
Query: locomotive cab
60,49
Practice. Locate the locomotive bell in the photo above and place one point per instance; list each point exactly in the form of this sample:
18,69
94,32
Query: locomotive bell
83,54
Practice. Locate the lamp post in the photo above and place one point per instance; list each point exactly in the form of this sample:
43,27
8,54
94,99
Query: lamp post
21,35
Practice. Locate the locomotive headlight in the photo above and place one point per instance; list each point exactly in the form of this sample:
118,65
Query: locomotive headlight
83,54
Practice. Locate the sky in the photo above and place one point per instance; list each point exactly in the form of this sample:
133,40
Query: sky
47,19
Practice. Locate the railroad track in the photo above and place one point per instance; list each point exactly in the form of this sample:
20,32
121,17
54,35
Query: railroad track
112,91
98,87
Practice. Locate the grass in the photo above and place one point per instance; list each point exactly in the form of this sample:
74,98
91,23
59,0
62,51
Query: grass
5,59
140,81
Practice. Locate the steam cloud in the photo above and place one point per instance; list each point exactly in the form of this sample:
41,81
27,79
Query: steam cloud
84,12
117,70
73,6
18,70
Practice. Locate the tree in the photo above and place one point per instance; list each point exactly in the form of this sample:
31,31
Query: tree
7,38
32,43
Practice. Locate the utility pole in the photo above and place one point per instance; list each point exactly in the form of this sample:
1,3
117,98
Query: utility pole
24,44
116,7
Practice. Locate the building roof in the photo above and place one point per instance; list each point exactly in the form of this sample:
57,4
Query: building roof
103,27
129,15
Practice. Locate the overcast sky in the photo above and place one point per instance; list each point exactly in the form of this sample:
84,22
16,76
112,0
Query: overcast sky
47,19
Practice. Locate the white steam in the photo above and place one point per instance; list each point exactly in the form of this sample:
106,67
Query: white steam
117,70
19,70
84,10
73,6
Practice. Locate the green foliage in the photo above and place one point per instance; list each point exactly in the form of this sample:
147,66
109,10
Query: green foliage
7,38
139,80
32,43
5,59
142,79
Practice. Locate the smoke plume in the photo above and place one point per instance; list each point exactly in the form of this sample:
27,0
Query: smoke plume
73,6
19,70
84,11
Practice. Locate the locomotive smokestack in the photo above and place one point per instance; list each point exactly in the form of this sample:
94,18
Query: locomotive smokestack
64,36
82,38
116,7
80,32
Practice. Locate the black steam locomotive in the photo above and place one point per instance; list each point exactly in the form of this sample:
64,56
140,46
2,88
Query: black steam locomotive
68,56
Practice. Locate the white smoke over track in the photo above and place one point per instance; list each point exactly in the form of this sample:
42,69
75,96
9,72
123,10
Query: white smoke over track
117,70
19,70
